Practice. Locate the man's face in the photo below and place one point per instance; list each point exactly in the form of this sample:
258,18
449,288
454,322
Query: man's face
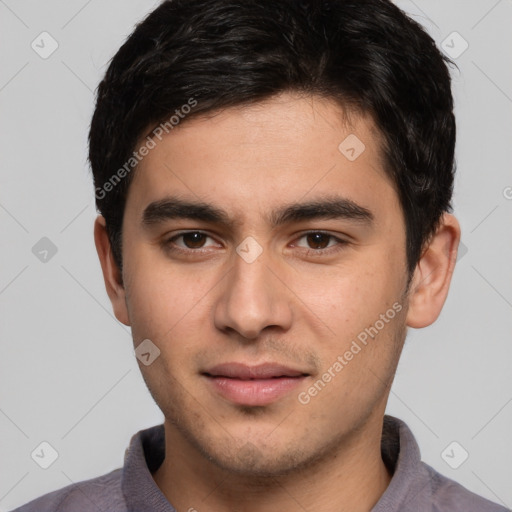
251,316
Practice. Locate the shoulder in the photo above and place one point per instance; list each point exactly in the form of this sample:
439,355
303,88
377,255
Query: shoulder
101,493
450,496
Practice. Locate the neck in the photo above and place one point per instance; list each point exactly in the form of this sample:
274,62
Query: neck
352,478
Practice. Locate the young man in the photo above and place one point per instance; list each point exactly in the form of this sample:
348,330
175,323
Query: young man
274,179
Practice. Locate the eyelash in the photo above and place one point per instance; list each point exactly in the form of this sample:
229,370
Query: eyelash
309,252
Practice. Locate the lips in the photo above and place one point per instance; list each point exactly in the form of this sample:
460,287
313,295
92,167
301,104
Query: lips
253,385
244,372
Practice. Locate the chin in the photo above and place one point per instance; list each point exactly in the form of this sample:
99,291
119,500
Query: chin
252,462
264,461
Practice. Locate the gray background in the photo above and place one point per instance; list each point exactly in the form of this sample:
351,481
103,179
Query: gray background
68,375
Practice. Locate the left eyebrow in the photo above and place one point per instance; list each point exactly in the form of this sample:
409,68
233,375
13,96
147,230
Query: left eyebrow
331,207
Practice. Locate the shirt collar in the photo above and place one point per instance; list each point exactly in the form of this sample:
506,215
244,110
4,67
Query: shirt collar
410,488
144,455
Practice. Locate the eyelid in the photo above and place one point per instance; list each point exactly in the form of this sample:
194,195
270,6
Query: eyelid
338,246
172,238
320,232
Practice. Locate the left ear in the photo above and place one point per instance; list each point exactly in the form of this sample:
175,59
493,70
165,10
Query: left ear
433,274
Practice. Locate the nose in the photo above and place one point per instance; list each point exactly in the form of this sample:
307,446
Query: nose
254,297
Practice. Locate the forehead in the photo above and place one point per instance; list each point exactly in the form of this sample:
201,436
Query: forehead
252,158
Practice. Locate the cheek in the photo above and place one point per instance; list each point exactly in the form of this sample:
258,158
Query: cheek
364,327
349,298
161,299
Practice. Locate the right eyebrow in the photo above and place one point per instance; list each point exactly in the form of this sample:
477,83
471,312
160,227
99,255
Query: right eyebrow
174,208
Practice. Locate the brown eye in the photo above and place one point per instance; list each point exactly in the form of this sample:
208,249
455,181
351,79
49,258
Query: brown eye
194,240
188,242
318,240
318,243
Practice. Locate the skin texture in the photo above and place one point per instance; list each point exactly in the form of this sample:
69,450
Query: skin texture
288,306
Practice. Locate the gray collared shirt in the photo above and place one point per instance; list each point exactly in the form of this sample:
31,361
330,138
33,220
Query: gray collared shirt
414,487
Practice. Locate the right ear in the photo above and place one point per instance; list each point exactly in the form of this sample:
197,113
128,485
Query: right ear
111,273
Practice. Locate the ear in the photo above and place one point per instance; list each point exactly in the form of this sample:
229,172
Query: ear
111,273
433,274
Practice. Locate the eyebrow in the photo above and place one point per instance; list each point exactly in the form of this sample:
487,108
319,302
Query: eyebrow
331,207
